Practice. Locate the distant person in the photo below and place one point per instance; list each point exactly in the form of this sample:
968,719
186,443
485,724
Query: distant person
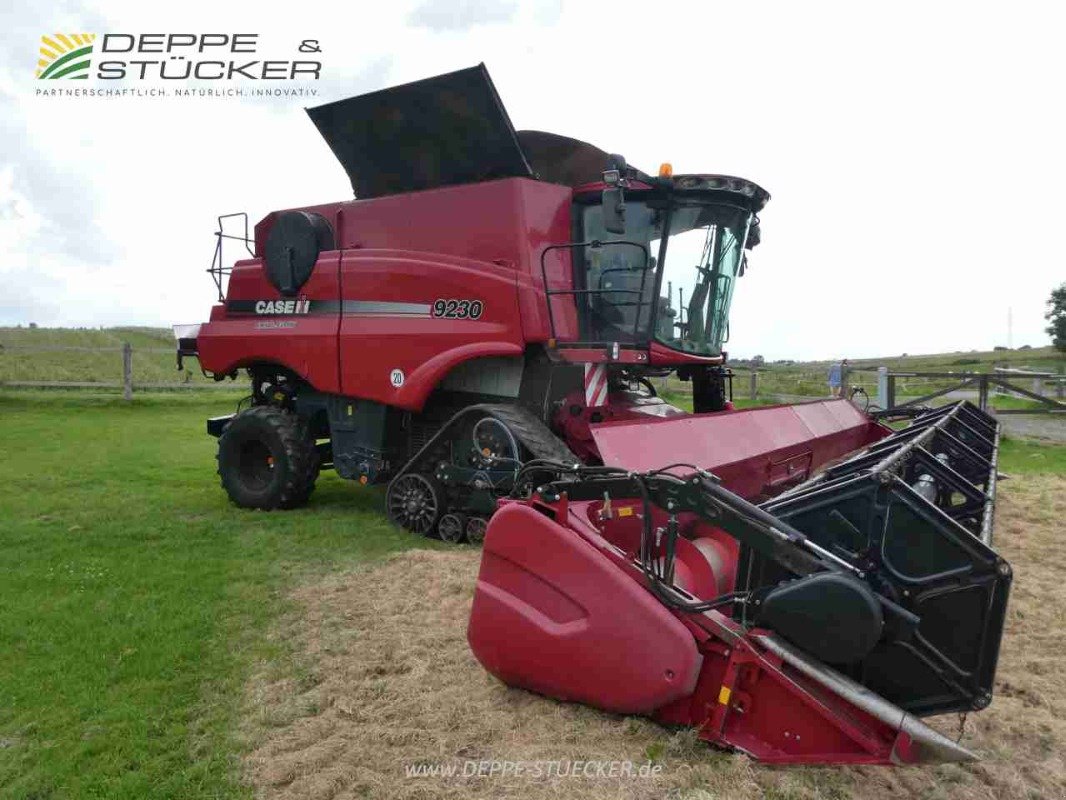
836,378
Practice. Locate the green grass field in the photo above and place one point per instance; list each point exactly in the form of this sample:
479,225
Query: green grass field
134,598
135,601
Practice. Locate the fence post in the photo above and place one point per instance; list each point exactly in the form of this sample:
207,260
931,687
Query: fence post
127,371
882,387
982,391
754,385
1060,385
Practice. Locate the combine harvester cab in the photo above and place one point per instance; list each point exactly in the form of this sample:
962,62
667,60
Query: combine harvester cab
817,627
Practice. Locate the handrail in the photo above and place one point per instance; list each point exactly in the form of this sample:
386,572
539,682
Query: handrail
640,304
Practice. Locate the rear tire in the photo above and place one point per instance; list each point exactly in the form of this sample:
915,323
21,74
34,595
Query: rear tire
267,459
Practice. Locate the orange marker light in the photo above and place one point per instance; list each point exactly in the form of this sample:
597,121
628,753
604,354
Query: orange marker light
666,170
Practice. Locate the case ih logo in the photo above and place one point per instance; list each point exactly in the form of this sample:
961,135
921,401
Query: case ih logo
65,55
283,306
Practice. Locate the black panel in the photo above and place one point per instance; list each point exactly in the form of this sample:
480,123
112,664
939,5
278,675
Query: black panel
357,432
834,617
908,551
913,513
292,247
446,130
918,558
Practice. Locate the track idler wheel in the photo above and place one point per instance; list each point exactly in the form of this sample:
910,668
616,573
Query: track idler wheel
452,528
475,529
414,501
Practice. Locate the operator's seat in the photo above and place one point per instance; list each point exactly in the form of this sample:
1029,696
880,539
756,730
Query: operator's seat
696,325
626,292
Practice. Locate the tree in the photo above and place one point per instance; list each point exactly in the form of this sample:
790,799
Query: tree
1056,315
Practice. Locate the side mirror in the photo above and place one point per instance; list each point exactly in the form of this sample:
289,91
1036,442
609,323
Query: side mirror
614,210
754,236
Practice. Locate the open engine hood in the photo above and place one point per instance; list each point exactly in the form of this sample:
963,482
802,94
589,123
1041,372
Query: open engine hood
442,131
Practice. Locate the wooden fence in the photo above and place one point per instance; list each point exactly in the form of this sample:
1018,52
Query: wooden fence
128,383
755,385
1043,385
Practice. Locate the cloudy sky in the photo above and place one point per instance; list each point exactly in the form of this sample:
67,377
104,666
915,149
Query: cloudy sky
914,151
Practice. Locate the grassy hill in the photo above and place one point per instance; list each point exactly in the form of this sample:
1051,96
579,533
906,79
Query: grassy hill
1043,359
92,355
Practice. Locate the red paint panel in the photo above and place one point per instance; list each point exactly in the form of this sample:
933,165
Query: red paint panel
306,344
552,614
755,451
388,321
545,221
508,222
660,354
558,611
601,354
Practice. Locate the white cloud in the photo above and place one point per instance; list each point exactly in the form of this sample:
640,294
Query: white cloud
459,15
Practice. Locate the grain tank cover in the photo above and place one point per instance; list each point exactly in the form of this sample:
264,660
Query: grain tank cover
561,159
441,131
564,160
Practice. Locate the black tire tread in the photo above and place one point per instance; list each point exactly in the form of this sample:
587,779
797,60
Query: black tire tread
299,449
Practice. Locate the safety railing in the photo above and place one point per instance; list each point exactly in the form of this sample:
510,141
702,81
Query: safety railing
642,323
219,268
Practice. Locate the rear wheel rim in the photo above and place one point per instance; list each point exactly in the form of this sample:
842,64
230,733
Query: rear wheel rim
413,503
451,528
255,465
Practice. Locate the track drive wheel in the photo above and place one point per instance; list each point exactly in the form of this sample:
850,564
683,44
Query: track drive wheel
267,459
414,501
452,528
475,529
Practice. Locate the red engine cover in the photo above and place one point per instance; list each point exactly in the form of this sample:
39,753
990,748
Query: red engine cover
591,635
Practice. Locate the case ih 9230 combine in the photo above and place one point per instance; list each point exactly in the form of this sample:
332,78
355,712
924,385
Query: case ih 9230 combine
478,330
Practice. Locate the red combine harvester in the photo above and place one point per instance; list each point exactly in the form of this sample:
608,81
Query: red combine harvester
479,330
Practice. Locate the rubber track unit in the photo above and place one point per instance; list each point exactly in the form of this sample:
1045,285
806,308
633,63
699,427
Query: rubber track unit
527,428
299,449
